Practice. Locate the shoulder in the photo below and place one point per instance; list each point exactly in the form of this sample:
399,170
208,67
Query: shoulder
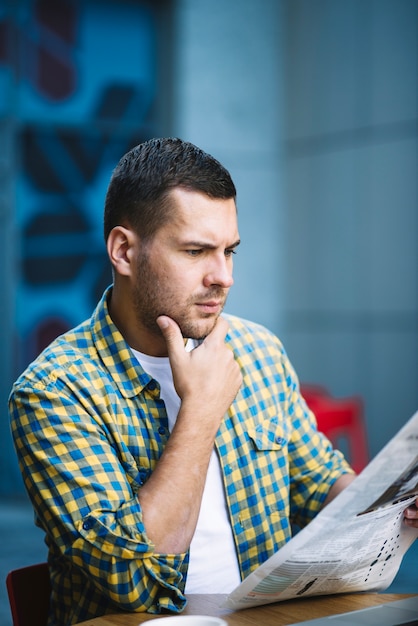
251,335
78,353
70,352
262,357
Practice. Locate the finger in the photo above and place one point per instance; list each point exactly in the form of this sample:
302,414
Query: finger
172,335
411,513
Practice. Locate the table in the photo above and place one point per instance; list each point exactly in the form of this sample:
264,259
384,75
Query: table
277,614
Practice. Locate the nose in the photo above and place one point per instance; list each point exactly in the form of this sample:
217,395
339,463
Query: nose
219,273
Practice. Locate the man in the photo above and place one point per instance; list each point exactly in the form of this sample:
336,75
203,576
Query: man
166,447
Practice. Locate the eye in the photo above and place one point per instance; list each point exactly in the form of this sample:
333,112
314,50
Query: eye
230,251
194,252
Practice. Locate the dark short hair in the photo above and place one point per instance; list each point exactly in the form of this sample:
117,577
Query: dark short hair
141,181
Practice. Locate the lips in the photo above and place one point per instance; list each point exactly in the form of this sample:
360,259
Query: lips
211,302
210,306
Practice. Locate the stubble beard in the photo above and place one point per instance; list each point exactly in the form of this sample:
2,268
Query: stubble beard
151,301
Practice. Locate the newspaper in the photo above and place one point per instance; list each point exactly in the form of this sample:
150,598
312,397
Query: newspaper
356,543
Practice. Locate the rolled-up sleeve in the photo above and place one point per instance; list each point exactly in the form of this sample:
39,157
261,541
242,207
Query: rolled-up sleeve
314,464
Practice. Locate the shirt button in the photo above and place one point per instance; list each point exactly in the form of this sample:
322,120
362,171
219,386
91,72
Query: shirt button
88,524
280,440
161,430
152,385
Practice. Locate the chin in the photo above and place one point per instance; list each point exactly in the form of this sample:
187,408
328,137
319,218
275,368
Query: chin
197,330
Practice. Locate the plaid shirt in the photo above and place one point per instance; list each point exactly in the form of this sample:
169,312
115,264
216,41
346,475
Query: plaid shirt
89,427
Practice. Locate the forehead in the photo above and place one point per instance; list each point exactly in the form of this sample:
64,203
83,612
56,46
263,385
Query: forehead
196,212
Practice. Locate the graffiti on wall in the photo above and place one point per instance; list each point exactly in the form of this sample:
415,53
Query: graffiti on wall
79,80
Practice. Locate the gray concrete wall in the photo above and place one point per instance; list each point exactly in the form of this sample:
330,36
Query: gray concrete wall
351,318
228,100
312,105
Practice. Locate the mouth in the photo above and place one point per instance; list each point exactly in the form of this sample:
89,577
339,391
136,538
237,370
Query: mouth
210,306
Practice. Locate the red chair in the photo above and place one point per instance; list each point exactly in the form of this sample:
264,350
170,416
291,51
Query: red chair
314,393
342,421
29,591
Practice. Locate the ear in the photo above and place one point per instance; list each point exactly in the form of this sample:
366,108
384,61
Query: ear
121,246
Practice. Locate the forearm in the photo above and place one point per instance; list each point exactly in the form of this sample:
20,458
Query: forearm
206,380
170,499
338,486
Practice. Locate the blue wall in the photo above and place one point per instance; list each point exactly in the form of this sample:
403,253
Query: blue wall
78,88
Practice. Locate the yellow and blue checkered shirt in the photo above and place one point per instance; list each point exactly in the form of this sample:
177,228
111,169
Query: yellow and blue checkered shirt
89,427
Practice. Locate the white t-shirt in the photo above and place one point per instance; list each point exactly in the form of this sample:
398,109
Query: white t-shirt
213,566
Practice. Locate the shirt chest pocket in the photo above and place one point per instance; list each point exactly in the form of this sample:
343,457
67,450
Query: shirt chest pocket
270,465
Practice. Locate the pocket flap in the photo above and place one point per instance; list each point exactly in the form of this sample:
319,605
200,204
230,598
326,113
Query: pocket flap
269,436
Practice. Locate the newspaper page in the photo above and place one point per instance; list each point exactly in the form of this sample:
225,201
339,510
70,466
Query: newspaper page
356,543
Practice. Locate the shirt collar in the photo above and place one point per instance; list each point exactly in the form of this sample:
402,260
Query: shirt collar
114,351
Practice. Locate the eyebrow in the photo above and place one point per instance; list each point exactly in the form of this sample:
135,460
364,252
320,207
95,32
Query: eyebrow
209,246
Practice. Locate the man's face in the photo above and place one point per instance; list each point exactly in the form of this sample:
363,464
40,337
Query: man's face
185,272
